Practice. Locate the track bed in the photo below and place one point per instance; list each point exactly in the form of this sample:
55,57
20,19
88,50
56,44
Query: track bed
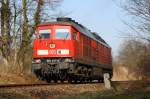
46,91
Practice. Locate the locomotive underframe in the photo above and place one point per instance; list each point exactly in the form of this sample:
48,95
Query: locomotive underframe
68,69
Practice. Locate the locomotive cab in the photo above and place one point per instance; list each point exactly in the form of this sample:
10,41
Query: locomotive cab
53,50
54,41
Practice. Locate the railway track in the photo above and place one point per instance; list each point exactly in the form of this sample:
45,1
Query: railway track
131,82
28,85
53,90
114,83
46,91
42,84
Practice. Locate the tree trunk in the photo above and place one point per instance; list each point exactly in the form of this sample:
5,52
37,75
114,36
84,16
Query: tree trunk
25,36
5,29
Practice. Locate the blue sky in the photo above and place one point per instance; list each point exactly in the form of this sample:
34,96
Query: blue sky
102,16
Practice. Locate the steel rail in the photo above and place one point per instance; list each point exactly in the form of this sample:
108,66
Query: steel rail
41,84
27,85
65,83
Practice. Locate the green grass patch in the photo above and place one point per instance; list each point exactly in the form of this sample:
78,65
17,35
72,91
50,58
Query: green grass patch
109,94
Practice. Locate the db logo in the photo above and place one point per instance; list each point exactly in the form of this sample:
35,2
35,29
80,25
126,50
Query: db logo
52,52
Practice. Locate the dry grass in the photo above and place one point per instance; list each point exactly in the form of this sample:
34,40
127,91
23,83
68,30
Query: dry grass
10,78
123,73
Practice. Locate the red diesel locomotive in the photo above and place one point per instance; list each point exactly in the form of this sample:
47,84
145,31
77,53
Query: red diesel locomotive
66,50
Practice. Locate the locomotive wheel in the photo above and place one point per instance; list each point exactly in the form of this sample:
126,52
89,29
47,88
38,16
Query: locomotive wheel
81,80
70,78
63,75
75,81
48,79
61,81
100,79
84,80
91,80
43,74
55,80
88,80
39,75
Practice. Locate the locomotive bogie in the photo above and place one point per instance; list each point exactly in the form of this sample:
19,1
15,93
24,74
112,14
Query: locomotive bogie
67,69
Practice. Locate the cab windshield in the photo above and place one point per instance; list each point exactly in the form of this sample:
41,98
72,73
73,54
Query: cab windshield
44,34
62,34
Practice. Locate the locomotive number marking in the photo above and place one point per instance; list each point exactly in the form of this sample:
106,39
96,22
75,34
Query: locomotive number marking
52,52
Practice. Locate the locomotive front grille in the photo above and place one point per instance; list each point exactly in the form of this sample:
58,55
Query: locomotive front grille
53,60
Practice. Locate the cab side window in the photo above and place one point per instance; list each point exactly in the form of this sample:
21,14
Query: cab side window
74,36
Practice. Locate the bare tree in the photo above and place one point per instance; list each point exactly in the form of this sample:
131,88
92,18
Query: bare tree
17,17
134,52
139,10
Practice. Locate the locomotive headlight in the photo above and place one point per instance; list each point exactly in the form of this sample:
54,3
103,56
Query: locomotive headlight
63,52
52,45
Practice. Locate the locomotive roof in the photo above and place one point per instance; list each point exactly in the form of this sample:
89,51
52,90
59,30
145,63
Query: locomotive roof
81,29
